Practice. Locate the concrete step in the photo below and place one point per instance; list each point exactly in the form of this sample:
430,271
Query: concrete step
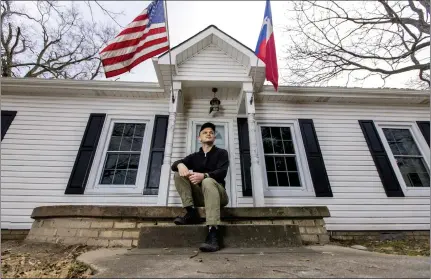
232,236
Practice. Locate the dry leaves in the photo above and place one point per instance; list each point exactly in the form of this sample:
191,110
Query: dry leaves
21,260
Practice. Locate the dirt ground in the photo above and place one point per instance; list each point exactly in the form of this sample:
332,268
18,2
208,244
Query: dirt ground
24,260
396,247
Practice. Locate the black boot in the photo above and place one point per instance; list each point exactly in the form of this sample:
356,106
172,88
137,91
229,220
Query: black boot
190,218
212,242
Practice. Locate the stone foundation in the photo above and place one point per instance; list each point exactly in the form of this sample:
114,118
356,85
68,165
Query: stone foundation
14,234
379,235
125,233
120,226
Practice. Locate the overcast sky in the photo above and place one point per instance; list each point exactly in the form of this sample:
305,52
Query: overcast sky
240,19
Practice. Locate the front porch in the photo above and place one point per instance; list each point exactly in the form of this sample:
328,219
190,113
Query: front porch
152,227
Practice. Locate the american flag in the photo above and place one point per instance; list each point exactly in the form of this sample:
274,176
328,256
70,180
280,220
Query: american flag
146,36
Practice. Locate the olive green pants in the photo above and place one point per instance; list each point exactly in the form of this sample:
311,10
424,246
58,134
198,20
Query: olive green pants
209,193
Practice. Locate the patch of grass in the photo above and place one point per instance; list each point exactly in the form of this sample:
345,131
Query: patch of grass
396,247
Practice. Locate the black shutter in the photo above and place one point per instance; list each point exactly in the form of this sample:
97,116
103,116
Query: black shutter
322,187
424,126
84,159
381,160
7,118
157,152
244,156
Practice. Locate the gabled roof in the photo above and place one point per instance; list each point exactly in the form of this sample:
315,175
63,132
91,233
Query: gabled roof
210,26
193,46
211,30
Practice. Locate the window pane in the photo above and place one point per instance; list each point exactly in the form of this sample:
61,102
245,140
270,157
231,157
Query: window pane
123,161
265,132
276,133
394,148
121,167
288,147
126,144
291,164
220,137
269,163
129,129
285,133
107,177
278,147
111,161
282,179
272,179
134,161
137,144
278,140
401,141
414,172
294,179
120,177
267,140
114,144
388,134
131,177
267,146
118,129
280,165
139,130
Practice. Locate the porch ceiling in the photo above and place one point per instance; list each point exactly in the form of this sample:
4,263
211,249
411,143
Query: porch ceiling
223,93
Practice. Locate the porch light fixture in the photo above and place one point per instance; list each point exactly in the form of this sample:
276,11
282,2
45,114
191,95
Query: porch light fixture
215,102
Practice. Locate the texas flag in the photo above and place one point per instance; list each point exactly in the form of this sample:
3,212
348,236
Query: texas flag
265,48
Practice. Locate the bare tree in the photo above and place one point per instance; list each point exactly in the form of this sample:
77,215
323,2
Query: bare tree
357,40
52,40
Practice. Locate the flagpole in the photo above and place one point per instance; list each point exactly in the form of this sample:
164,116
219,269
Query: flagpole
254,79
169,45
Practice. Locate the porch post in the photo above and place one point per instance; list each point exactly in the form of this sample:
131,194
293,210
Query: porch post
165,174
256,171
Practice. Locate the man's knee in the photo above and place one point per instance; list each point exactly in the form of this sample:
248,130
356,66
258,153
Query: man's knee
209,185
208,182
177,176
179,180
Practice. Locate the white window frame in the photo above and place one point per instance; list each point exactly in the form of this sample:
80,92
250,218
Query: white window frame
306,188
93,184
420,143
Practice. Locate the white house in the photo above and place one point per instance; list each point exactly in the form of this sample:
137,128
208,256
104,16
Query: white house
363,153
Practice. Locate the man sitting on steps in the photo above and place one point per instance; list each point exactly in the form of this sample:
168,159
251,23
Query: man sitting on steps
199,180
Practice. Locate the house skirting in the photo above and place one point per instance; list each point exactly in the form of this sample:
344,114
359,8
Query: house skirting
14,234
118,226
379,235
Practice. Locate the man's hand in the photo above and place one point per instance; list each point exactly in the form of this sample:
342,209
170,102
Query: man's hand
196,178
183,170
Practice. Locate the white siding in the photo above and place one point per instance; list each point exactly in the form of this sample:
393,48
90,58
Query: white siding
40,147
39,150
212,62
199,109
359,201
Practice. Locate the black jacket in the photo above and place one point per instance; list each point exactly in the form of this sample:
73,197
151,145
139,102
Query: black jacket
215,163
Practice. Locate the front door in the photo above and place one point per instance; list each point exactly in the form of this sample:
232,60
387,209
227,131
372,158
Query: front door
222,141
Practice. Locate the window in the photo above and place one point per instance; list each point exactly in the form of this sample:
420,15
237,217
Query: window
123,154
408,157
280,158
